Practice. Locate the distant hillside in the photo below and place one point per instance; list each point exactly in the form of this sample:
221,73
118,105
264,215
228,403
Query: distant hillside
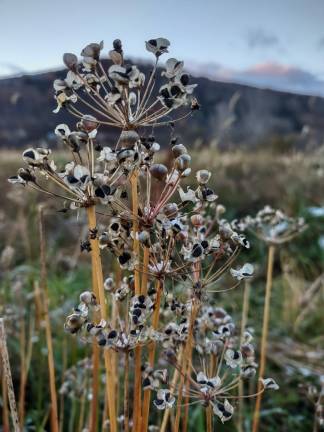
231,114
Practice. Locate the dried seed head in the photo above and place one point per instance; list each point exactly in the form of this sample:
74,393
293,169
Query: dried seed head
71,61
171,210
197,220
178,150
128,138
117,44
182,162
88,123
116,57
159,171
203,176
88,298
144,237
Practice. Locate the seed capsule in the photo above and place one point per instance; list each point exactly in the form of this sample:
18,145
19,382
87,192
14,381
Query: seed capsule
128,138
70,61
159,171
197,220
203,176
182,162
88,298
178,150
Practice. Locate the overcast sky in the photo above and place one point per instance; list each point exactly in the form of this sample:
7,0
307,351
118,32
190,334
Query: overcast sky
277,43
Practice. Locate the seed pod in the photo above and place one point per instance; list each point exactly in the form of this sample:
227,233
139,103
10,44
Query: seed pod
88,123
197,220
171,210
125,154
26,175
144,237
182,162
117,44
178,150
109,284
203,176
71,61
88,298
159,171
116,57
128,138
74,323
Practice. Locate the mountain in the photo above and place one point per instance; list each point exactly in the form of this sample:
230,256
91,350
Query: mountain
230,115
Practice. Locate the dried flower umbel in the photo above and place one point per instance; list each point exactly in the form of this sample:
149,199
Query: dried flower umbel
170,241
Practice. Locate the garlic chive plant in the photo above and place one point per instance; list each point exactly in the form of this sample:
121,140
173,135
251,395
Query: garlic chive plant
275,228
155,321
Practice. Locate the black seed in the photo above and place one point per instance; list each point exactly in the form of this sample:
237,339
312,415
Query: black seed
84,178
137,312
159,401
146,382
106,189
152,42
184,79
197,250
124,258
165,93
141,298
175,90
204,244
114,226
236,355
71,179
99,193
89,326
112,334
30,154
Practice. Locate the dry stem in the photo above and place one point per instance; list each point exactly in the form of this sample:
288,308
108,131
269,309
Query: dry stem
245,312
97,270
137,409
151,354
7,374
265,328
49,341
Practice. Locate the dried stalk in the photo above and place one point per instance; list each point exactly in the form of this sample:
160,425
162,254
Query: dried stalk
64,364
24,375
173,386
97,270
137,409
196,273
5,412
186,363
49,342
7,374
209,419
151,354
265,328
245,313
126,393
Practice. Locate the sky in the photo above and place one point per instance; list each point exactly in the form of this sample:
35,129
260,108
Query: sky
268,43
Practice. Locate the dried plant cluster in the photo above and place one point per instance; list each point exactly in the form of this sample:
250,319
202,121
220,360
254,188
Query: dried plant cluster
166,342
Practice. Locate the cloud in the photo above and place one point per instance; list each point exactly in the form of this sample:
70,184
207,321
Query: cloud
265,75
320,43
259,38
